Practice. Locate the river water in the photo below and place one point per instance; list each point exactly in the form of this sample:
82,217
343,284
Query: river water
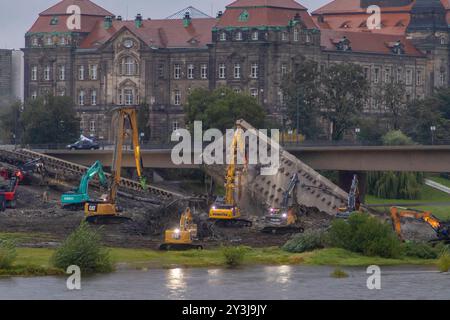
255,283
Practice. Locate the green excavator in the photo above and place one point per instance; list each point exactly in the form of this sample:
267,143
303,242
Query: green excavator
76,200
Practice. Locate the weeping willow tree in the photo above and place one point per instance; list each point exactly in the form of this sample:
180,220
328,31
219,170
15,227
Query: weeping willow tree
395,185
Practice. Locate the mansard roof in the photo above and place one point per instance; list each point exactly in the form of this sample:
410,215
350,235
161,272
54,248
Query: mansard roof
167,33
368,43
90,15
287,4
351,15
264,13
87,8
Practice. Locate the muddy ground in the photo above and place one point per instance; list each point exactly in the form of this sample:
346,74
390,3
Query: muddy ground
48,224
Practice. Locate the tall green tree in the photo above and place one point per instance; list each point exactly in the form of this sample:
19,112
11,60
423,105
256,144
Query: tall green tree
433,111
50,120
302,91
222,107
391,97
344,91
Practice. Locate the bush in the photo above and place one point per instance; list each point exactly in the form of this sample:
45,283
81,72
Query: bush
364,234
304,242
444,260
420,250
8,254
234,256
339,273
397,138
83,249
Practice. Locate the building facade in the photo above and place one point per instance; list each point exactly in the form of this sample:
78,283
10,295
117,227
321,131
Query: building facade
105,61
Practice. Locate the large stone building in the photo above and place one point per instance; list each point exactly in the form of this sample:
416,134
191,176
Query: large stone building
106,61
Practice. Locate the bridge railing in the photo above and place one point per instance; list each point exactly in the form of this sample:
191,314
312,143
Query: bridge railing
168,146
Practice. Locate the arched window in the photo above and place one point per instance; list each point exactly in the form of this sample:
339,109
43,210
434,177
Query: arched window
129,66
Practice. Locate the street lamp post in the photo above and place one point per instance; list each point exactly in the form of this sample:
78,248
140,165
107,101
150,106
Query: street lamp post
433,130
357,132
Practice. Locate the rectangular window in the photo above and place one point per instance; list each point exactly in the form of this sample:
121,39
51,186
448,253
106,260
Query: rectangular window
254,92
177,97
34,95
92,126
387,75
177,71
34,73
222,71
204,71
129,97
81,98
376,75
62,73
442,78
296,35
409,77
255,35
161,71
237,90
237,71
93,72
190,71
175,125
367,73
419,78
239,36
284,36
94,98
284,69
81,73
47,73
254,71
223,36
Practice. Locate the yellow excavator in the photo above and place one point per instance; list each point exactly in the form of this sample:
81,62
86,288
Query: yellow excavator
441,228
106,209
182,238
225,212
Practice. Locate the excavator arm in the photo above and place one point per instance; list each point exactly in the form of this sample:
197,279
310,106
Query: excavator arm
95,169
397,213
130,115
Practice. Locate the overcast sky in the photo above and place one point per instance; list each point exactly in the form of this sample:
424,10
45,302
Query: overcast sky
17,16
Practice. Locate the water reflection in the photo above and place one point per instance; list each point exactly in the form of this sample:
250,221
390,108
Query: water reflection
280,275
176,283
215,277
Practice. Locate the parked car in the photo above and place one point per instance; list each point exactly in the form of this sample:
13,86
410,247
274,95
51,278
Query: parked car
84,145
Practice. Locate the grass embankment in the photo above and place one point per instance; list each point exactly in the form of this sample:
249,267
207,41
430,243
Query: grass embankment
35,261
427,194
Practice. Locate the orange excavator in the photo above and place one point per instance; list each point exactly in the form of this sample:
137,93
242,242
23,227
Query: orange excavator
441,228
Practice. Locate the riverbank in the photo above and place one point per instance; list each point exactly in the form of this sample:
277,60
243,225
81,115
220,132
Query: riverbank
36,261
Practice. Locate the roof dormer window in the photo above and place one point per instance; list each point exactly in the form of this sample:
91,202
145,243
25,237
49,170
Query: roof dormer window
239,36
223,36
54,21
345,25
397,47
243,17
343,44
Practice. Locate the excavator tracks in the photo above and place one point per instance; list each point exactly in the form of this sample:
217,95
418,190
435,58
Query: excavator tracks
68,170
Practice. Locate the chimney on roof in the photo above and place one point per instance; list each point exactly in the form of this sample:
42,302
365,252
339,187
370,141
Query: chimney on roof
219,14
138,21
187,19
107,23
119,18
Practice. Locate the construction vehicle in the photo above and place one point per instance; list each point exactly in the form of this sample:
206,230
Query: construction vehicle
283,220
442,229
8,192
106,209
225,212
76,199
182,238
353,201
